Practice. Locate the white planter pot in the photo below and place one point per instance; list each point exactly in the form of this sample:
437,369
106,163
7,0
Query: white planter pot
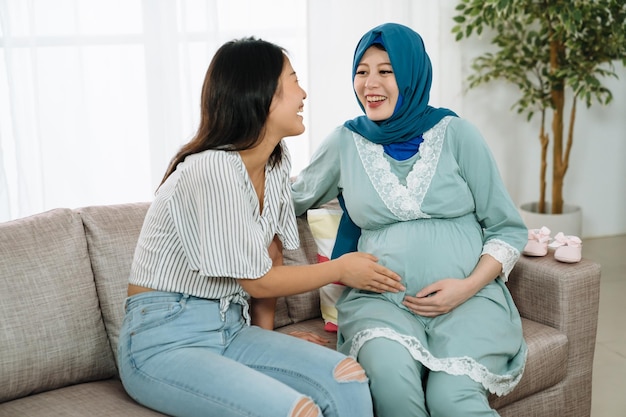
570,222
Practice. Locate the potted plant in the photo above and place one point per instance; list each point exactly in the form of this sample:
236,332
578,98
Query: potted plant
556,52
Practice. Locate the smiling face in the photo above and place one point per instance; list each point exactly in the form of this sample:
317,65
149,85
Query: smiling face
285,117
375,84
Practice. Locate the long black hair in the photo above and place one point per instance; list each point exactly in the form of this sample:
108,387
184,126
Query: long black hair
238,89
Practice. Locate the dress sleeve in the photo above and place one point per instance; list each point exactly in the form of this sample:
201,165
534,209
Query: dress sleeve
214,217
504,231
319,182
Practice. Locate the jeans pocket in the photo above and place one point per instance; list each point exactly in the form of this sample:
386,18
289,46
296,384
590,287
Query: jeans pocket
151,329
156,314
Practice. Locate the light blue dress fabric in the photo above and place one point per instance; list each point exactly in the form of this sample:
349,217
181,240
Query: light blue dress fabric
427,218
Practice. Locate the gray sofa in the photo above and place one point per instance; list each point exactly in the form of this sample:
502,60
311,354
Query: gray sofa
63,281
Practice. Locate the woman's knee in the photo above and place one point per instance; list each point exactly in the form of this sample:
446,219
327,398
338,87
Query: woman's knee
349,370
449,395
395,378
381,356
305,407
348,393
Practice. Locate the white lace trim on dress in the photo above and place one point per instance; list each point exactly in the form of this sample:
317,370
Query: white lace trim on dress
497,384
504,253
404,201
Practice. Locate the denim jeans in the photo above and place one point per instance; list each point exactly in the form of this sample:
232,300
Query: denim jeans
177,356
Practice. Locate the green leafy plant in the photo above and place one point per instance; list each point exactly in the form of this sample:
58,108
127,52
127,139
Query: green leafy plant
555,52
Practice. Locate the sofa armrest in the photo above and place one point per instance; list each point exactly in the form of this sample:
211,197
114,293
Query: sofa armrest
559,295
565,297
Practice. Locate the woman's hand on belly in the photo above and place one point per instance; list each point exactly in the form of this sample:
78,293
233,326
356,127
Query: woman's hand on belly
439,298
447,294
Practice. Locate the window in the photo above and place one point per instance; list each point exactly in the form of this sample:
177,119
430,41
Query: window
101,93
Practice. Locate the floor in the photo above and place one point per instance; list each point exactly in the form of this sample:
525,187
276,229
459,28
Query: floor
609,369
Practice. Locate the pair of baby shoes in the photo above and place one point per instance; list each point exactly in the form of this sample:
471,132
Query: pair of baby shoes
568,249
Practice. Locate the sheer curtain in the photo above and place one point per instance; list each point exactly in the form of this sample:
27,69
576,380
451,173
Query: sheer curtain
97,95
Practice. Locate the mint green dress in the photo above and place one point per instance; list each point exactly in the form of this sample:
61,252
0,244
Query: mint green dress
427,218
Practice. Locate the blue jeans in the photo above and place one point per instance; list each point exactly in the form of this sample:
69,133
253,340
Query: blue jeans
177,356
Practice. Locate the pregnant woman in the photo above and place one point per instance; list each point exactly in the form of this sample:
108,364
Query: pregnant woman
421,191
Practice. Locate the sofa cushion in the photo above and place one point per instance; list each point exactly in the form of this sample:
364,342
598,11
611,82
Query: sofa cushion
324,223
50,320
304,306
94,399
315,326
112,232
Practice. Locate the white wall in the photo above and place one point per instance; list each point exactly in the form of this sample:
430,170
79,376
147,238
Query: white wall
596,180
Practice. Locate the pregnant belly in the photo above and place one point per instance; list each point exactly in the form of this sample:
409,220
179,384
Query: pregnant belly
424,251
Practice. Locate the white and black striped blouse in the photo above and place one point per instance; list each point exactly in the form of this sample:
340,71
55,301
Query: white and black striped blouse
204,227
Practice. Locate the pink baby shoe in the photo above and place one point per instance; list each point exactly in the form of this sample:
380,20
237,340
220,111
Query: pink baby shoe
537,242
568,248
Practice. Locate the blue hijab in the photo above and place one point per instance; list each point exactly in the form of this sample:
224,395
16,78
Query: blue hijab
400,134
412,69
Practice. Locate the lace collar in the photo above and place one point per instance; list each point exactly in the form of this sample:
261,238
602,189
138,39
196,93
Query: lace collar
404,201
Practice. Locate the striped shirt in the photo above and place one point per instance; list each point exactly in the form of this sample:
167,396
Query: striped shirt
205,228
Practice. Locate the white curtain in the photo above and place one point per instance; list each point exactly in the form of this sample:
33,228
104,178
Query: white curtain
97,95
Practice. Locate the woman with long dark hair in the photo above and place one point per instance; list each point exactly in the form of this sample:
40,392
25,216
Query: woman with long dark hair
193,342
